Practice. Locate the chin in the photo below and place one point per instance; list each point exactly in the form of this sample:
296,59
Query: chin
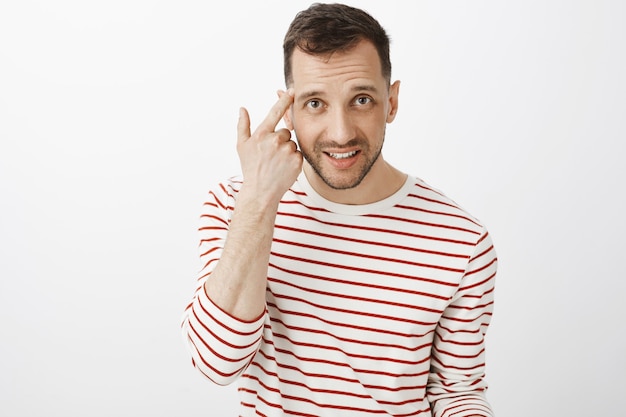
342,183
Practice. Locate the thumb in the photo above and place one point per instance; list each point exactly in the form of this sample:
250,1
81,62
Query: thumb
243,125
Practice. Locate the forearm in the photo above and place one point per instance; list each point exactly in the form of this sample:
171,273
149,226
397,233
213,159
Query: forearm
221,344
270,163
238,282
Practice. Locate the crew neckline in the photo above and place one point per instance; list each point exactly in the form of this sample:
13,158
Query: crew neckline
355,209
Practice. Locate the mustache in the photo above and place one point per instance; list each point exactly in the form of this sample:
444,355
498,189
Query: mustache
356,142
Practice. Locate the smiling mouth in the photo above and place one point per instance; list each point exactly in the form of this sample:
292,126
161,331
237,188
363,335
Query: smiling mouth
344,155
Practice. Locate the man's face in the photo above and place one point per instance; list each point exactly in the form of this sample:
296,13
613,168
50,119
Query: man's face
341,107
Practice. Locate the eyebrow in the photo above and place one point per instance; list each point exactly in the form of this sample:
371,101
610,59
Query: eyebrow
355,89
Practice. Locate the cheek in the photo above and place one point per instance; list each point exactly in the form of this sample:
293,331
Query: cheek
373,126
305,129
303,137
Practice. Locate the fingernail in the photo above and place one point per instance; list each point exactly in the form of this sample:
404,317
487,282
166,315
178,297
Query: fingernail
290,91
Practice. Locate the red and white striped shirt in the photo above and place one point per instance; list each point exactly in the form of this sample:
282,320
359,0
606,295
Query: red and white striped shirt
372,310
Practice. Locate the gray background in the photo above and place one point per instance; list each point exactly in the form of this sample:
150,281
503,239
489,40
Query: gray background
116,117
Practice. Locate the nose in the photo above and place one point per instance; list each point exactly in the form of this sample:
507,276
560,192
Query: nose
340,127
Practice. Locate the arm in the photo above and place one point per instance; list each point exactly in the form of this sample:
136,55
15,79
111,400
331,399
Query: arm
224,322
456,383
270,163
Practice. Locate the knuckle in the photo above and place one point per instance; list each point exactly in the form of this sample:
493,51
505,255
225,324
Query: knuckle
284,133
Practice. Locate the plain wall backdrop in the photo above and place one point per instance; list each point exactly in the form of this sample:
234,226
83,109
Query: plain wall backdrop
116,117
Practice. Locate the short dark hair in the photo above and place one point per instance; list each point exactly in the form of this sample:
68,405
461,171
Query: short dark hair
326,28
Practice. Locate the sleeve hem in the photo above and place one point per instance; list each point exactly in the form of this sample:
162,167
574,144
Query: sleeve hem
222,316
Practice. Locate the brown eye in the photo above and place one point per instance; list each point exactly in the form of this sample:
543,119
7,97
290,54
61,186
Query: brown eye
361,101
314,104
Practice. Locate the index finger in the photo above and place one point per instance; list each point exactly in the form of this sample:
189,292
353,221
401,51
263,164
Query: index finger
277,112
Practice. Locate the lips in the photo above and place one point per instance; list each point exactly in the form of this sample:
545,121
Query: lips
343,160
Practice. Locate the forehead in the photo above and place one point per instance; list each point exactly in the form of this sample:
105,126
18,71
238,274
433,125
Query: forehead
358,64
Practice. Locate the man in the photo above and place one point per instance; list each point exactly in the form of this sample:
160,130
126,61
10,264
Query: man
332,283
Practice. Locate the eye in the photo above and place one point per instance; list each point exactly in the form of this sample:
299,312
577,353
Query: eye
314,104
363,100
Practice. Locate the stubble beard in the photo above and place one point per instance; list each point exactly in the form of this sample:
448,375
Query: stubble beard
340,181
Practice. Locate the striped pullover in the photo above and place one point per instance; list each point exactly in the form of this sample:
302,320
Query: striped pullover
371,310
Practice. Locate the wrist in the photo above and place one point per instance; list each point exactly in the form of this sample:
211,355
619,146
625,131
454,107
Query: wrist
257,198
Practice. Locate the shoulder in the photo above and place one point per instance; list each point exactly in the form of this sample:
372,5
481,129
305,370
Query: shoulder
433,203
221,194
226,188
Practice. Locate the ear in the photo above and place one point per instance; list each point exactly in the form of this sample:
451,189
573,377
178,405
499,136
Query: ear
287,118
394,91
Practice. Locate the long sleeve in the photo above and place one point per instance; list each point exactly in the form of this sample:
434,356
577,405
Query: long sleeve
456,385
221,345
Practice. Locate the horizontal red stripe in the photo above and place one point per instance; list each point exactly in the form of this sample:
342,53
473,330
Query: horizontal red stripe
422,223
332,295
374,330
362,255
327,378
370,242
358,313
375,229
310,333
369,285
369,271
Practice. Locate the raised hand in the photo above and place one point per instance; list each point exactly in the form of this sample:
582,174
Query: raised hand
270,160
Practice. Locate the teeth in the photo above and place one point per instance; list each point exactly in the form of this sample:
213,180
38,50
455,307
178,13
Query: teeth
342,155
